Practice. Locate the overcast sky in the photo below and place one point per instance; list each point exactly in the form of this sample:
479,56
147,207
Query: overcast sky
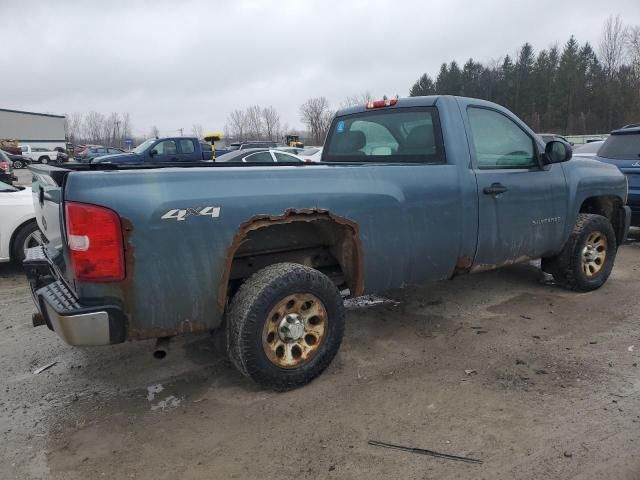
178,63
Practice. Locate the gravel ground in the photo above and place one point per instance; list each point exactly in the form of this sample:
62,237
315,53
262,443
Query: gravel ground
536,381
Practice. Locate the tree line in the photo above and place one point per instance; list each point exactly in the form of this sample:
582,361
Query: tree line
574,90
99,129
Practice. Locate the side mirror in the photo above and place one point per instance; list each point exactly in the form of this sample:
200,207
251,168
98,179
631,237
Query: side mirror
557,151
153,152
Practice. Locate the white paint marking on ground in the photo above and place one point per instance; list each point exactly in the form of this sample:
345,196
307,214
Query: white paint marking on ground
152,390
367,301
168,403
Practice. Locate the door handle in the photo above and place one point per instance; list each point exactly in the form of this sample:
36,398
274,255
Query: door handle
495,189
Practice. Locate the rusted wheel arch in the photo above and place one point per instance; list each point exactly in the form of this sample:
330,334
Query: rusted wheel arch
348,253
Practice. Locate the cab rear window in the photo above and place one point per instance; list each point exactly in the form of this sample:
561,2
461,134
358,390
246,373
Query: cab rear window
621,147
397,135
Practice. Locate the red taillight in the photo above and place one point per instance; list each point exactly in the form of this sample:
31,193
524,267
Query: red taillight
382,103
94,236
4,166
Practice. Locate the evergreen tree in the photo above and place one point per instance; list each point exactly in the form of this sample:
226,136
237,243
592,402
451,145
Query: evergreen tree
565,92
424,86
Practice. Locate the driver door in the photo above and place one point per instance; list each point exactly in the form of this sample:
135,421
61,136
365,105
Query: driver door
166,151
522,203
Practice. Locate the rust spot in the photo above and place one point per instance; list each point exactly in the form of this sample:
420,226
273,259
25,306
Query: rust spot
484,267
350,256
463,264
185,326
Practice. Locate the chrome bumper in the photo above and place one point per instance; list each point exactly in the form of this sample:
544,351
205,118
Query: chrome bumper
77,324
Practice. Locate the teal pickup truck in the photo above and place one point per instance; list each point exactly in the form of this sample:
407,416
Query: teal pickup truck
408,191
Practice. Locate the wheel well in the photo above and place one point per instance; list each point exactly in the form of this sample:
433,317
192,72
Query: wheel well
609,207
318,240
15,233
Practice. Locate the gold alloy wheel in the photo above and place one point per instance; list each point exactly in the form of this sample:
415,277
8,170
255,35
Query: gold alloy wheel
294,330
594,254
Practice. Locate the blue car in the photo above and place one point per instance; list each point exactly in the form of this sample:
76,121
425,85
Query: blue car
622,149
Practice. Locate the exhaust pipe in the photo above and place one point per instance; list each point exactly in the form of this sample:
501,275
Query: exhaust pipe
162,347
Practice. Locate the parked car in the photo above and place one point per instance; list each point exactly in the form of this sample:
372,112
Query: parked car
294,150
260,144
548,137
622,149
19,161
260,155
39,154
233,146
311,154
18,227
94,151
587,149
6,169
162,150
61,156
408,191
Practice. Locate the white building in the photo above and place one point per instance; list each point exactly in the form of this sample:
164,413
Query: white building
35,129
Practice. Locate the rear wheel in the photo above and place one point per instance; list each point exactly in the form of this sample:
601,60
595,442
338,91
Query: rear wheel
27,236
44,160
586,261
18,164
285,325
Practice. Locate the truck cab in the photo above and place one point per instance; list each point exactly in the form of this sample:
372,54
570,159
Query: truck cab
161,150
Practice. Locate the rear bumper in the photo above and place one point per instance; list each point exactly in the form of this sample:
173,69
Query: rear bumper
76,323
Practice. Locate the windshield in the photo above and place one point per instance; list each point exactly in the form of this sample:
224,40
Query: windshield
140,149
5,187
389,135
621,147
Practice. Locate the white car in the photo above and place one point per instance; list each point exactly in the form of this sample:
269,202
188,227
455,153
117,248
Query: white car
311,154
39,154
588,149
18,227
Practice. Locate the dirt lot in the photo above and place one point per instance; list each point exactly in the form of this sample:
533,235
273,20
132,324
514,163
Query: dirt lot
553,391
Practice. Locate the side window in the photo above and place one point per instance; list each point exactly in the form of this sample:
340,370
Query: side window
262,157
285,157
166,147
186,146
498,141
102,150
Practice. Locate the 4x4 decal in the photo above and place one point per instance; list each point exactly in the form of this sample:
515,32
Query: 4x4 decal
184,213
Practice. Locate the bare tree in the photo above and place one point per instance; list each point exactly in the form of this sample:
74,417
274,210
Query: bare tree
271,122
155,132
236,126
355,100
255,127
126,126
74,126
611,48
633,47
93,129
197,130
317,116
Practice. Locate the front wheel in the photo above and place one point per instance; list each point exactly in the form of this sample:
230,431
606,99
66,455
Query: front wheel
285,325
44,160
586,261
18,164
